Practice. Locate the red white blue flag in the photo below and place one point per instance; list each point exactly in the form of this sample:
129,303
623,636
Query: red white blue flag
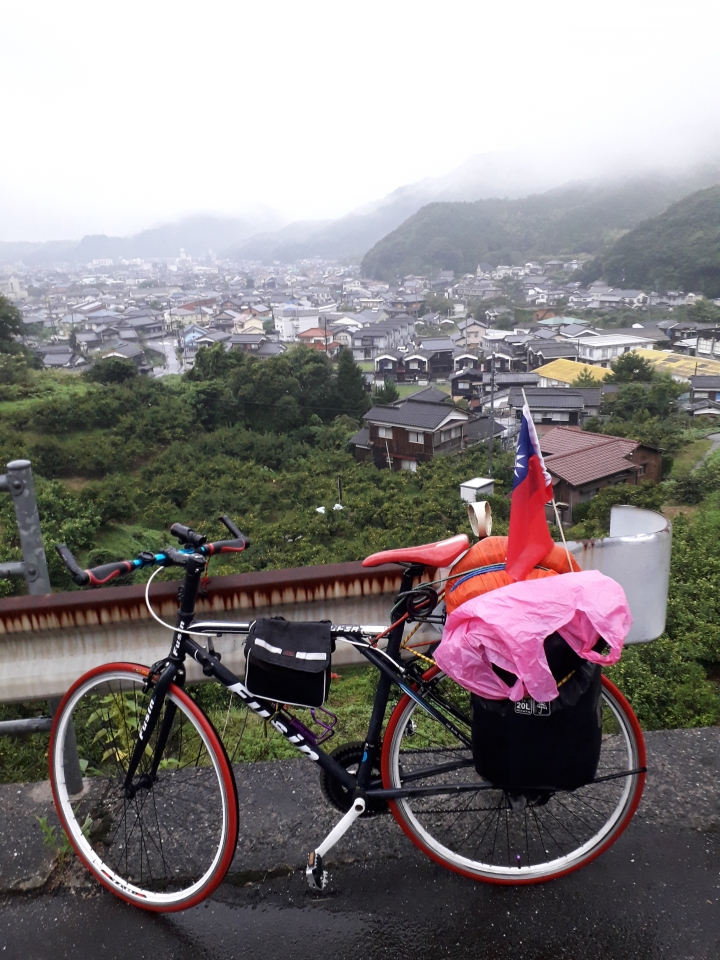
529,539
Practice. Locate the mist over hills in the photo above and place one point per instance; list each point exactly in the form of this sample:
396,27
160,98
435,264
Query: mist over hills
578,218
196,235
494,207
500,174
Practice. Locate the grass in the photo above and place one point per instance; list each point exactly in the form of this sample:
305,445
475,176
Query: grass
688,457
247,738
43,385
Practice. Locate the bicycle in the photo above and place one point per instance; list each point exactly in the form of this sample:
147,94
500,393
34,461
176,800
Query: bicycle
157,822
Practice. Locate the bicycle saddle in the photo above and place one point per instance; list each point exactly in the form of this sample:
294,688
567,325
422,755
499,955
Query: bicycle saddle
440,554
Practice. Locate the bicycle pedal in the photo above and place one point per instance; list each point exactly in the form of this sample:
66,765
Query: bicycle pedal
316,877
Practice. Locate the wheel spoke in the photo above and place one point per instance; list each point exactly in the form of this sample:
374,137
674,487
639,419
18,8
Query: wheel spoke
165,838
514,836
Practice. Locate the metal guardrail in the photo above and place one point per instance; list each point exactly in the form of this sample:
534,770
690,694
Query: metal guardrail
18,482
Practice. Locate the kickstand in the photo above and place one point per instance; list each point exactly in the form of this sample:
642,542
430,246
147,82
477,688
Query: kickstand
314,873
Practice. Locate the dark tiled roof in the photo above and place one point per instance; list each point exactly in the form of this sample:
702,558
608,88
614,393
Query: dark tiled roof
705,383
361,438
550,398
479,428
437,344
427,416
503,379
557,398
553,349
429,395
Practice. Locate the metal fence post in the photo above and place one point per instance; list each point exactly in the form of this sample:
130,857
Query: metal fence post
18,482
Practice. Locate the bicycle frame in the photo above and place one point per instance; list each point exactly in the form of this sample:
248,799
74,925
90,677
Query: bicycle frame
391,670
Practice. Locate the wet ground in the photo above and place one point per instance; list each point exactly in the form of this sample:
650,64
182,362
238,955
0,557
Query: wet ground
655,895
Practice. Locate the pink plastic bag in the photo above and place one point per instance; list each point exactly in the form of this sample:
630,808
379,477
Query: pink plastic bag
507,627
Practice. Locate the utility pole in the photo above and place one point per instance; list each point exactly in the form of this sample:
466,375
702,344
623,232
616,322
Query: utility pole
491,438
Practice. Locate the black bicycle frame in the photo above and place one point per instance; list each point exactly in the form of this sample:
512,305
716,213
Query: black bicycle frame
183,645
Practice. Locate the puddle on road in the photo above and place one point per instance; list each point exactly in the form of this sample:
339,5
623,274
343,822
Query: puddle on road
229,932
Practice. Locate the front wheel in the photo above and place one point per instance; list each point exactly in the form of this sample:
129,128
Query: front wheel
166,843
487,833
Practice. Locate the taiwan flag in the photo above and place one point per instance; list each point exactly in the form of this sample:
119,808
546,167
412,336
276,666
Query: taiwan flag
529,539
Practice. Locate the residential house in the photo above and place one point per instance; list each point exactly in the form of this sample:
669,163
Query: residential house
581,464
704,388
440,354
602,350
541,352
249,342
556,406
465,359
380,338
410,432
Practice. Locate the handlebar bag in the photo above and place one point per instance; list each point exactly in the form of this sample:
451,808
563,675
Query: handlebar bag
289,662
530,745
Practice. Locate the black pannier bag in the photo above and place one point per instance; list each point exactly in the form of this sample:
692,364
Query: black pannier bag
289,662
531,745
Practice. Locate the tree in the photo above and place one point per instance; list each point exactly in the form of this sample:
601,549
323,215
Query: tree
585,380
703,311
350,385
386,394
10,324
630,368
112,370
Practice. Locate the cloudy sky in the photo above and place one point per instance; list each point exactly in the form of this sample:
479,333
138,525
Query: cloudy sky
118,115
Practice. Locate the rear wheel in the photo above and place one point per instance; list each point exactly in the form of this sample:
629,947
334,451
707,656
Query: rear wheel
487,833
167,842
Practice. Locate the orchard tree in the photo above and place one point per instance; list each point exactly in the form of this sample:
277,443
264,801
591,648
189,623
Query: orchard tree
630,368
350,385
584,380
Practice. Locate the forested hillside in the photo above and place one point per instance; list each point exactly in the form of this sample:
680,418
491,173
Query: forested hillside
564,222
680,249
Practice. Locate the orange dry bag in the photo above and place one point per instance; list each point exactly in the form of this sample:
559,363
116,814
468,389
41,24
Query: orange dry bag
483,569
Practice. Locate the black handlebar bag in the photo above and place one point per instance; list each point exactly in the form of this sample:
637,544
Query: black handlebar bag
531,745
289,662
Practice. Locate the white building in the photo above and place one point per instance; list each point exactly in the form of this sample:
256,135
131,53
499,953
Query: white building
602,350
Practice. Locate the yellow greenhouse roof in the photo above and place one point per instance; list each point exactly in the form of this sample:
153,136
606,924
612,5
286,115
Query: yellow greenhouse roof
568,370
678,365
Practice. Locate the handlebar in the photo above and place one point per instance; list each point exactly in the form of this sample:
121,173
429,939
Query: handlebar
194,544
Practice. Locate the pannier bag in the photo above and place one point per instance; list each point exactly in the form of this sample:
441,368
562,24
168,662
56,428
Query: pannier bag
553,745
289,662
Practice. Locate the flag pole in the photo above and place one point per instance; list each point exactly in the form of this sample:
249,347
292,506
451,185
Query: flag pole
555,506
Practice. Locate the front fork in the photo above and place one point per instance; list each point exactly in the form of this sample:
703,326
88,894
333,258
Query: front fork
172,672
146,731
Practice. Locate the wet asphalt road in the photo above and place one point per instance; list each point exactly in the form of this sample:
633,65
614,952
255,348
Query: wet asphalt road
654,895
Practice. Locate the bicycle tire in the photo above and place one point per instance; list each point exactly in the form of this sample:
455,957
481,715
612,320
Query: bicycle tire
489,835
170,845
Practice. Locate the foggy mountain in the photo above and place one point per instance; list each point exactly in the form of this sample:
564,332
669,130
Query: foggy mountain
261,234
578,218
196,235
510,175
